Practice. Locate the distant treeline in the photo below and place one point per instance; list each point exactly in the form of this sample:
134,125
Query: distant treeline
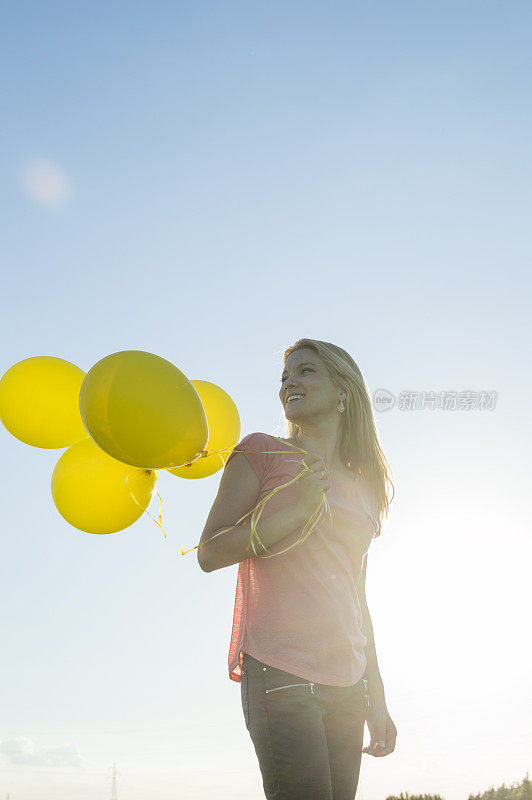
518,791
414,797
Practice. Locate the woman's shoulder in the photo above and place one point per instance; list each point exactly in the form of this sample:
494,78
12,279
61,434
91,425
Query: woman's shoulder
256,435
273,449
266,447
260,435
257,441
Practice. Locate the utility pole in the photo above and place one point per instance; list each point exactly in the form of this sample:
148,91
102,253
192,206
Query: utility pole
114,795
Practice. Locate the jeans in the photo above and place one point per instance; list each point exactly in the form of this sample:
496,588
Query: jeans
308,737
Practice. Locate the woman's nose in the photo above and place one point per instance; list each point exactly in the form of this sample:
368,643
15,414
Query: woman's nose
289,385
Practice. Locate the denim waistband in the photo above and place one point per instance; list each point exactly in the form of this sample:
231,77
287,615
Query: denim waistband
247,658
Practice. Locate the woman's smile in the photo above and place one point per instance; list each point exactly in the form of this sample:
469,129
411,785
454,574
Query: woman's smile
295,399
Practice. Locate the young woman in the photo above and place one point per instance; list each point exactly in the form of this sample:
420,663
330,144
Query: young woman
302,644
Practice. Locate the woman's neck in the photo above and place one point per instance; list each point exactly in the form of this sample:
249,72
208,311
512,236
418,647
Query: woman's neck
322,445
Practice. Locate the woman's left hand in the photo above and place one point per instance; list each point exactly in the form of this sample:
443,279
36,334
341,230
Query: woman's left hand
383,731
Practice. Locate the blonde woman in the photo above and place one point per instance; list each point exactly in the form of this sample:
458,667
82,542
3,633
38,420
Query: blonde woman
302,644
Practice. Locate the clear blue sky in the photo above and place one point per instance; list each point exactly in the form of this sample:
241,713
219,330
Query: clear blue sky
237,176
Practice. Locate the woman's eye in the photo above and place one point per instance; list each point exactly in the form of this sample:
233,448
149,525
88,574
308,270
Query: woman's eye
305,369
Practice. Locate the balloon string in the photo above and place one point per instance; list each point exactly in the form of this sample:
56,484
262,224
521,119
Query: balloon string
215,452
311,524
204,455
145,510
160,522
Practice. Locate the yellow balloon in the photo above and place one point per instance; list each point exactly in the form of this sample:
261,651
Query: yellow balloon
224,431
39,402
142,410
97,494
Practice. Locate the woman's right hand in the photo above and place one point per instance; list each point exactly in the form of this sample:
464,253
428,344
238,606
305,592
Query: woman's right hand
313,484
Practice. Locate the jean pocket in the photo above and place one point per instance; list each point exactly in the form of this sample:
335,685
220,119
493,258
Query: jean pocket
244,695
308,684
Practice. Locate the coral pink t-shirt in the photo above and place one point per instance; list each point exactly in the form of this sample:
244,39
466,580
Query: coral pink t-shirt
300,611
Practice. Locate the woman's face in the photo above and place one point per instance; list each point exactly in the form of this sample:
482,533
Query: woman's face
305,374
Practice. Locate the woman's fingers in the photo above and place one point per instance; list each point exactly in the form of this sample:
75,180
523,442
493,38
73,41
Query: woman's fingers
384,742
315,463
378,751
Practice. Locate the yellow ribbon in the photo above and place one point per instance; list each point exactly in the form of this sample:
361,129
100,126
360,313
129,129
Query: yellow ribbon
145,510
314,520
308,528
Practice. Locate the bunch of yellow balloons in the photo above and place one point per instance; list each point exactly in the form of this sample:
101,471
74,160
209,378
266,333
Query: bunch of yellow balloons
130,415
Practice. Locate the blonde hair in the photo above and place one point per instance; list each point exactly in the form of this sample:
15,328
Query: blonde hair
360,450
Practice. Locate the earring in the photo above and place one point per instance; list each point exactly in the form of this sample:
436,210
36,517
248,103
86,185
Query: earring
341,406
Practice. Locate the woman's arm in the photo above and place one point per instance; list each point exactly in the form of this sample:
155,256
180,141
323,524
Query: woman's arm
372,674
381,726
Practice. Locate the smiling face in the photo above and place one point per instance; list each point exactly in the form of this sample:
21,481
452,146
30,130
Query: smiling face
305,374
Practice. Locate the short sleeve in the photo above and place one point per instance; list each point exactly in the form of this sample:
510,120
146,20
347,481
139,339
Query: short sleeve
254,446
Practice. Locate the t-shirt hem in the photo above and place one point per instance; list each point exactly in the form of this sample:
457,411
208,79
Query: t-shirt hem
294,670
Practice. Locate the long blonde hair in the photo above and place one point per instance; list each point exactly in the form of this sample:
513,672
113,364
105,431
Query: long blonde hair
360,450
